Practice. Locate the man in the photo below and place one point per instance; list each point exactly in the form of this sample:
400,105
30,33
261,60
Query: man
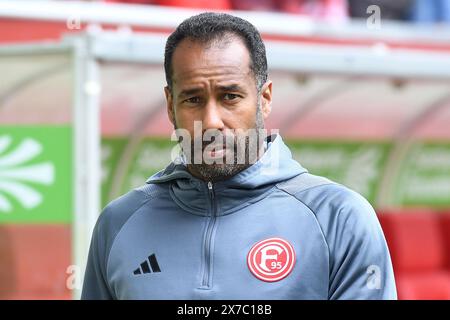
223,226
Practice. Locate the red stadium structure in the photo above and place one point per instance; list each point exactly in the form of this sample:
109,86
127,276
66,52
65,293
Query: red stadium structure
368,107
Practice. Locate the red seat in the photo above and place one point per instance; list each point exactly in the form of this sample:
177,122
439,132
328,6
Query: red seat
417,249
424,286
34,260
445,226
414,239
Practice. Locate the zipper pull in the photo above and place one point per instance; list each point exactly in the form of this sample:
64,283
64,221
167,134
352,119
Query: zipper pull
210,188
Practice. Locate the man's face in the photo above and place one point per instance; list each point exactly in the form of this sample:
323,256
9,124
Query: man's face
213,84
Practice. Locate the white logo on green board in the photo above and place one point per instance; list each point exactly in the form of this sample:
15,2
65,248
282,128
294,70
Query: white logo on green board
17,179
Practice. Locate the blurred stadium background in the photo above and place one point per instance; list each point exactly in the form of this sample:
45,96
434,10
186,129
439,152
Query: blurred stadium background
361,94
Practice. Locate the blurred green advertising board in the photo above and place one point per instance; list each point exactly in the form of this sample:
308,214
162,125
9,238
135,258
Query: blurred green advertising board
424,178
36,173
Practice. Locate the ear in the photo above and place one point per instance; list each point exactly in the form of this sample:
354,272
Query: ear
169,104
266,99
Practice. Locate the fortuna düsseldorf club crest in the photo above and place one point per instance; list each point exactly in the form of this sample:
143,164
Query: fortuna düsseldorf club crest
271,259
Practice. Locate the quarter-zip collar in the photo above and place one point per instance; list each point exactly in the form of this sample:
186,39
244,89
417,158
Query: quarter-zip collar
237,192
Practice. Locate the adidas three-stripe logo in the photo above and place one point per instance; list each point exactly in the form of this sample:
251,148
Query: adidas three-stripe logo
148,266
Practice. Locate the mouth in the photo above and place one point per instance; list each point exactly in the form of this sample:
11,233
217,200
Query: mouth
216,152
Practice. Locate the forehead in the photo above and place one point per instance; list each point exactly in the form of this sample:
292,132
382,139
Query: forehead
219,60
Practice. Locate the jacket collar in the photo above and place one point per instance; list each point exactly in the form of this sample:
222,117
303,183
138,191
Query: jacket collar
235,193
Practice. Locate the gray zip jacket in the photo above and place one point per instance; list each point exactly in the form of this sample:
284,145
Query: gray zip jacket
273,231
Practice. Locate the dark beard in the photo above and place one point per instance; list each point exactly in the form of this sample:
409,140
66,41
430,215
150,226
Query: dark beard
221,171
249,151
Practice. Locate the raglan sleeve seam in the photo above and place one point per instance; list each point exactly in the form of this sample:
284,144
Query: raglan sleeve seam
294,195
108,253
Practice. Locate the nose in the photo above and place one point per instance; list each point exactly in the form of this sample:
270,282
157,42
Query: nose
212,118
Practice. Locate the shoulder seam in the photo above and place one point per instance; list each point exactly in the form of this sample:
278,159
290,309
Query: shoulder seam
315,217
309,188
118,232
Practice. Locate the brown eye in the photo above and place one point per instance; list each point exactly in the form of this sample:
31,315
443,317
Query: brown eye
230,96
193,100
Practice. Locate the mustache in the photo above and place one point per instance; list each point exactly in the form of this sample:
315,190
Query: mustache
218,142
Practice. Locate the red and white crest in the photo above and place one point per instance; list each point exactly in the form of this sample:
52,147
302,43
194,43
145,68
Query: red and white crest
271,259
